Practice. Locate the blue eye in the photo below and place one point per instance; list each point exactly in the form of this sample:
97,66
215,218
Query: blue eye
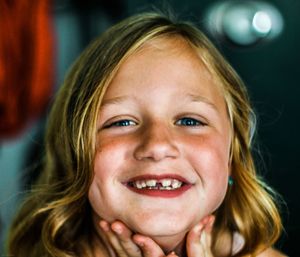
189,122
121,123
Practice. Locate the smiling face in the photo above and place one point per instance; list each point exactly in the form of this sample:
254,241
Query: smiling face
163,142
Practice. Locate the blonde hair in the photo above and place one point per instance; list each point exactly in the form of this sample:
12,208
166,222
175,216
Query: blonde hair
55,218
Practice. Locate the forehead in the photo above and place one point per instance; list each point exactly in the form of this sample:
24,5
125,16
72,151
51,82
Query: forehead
174,47
165,58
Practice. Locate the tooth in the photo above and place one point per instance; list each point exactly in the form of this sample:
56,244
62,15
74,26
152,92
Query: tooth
151,183
138,184
166,182
176,183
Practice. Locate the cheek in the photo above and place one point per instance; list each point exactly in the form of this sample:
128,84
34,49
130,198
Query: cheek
209,158
109,157
107,163
101,193
209,155
104,190
95,197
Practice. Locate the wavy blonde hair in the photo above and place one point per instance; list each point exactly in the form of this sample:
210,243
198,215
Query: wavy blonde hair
55,218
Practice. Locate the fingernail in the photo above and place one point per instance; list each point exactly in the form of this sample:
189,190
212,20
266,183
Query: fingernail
212,220
103,224
139,243
198,228
206,219
117,229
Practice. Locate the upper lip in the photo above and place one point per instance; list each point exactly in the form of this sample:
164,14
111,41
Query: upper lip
158,177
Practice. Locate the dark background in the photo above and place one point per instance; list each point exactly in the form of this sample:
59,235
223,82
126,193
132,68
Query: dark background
271,72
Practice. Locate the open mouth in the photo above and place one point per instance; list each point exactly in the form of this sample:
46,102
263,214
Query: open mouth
166,186
153,184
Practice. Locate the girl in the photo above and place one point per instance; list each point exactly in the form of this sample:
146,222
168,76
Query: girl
148,153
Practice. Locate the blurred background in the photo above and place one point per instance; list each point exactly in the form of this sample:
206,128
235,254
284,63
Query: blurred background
40,39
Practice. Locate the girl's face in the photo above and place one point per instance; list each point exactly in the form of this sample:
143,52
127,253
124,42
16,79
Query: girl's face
163,142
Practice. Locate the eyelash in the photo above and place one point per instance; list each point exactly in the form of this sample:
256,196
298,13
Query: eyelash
190,122
185,121
120,123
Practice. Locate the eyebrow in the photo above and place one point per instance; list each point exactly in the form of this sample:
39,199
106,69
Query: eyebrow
192,97
114,100
199,98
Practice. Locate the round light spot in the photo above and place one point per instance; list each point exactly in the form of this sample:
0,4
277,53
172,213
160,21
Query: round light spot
262,22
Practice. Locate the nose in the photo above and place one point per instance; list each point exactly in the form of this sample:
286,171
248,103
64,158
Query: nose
156,143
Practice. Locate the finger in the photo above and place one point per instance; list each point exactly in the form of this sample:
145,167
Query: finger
113,239
149,247
205,242
199,239
206,237
194,245
124,235
172,254
208,231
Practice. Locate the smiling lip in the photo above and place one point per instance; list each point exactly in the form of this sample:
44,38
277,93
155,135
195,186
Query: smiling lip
156,192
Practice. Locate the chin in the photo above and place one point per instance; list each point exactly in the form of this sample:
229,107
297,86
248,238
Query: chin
160,226
168,235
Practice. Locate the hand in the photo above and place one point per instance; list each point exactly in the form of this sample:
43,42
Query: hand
199,239
127,244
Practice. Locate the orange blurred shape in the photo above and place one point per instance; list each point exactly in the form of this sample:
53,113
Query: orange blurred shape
26,63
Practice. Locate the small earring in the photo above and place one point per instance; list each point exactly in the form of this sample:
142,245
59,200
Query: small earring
230,180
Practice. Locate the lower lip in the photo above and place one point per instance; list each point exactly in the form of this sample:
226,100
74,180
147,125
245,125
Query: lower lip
161,193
